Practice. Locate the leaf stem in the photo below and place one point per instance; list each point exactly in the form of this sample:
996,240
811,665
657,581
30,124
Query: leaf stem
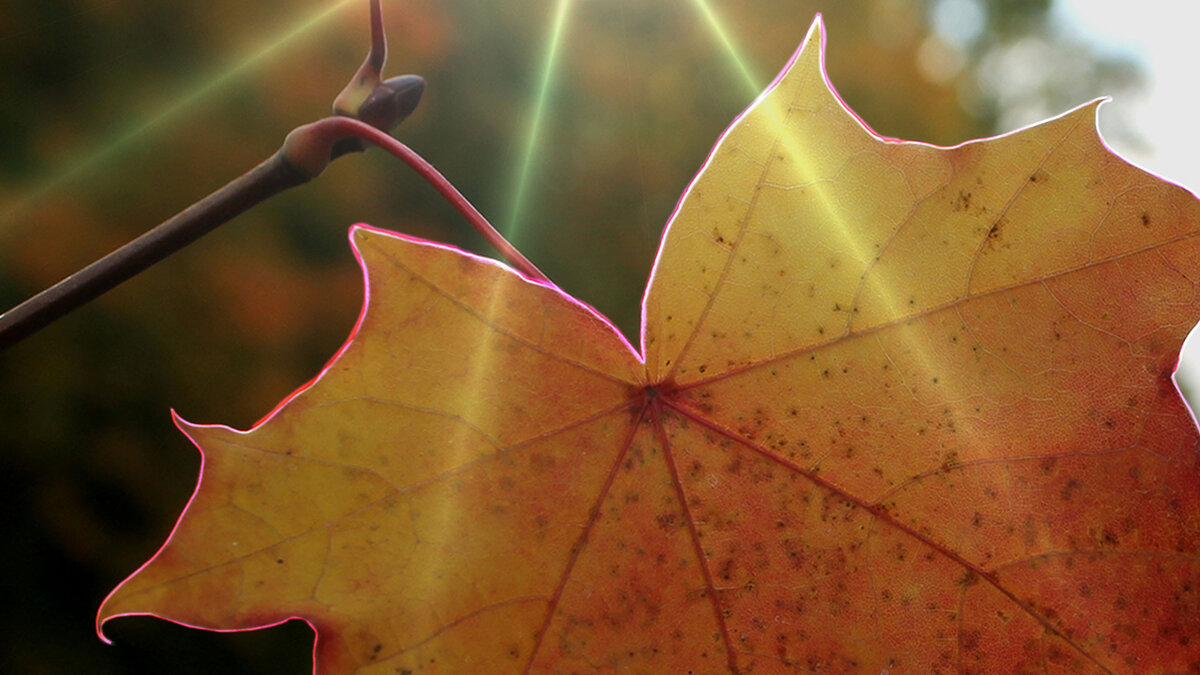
345,127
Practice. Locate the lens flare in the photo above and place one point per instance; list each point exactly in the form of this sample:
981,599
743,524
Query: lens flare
195,93
521,186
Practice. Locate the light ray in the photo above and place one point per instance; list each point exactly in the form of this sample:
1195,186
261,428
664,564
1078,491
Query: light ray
753,83
195,93
521,186
845,229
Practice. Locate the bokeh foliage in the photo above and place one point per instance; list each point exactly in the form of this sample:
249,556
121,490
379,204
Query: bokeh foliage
92,473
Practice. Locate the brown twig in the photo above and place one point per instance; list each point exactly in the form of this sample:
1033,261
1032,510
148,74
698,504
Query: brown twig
266,179
366,108
304,156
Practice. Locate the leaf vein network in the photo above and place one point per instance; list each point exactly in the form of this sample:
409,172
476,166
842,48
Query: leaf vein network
883,516
1012,200
952,304
722,278
1106,552
899,227
465,617
492,325
585,533
697,548
964,465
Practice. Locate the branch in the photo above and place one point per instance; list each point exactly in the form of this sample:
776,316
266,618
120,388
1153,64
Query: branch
367,107
305,154
271,177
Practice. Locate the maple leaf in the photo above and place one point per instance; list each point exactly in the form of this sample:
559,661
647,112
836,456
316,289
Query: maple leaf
902,409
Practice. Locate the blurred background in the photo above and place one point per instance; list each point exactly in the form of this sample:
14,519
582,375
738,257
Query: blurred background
573,124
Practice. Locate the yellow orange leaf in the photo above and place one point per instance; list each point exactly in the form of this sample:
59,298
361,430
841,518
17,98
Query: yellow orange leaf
902,409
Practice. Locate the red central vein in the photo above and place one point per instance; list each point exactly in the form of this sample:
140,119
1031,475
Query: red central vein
581,543
691,522
737,241
952,304
883,515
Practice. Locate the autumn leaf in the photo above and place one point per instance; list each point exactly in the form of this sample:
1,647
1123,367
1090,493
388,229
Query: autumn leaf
902,409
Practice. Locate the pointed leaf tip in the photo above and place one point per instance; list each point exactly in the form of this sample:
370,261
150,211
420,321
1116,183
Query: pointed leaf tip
816,29
814,40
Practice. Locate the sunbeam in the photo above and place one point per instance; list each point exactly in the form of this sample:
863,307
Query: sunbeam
836,195
521,186
195,93
753,84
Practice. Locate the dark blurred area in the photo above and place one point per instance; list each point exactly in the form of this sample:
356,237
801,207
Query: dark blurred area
115,114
